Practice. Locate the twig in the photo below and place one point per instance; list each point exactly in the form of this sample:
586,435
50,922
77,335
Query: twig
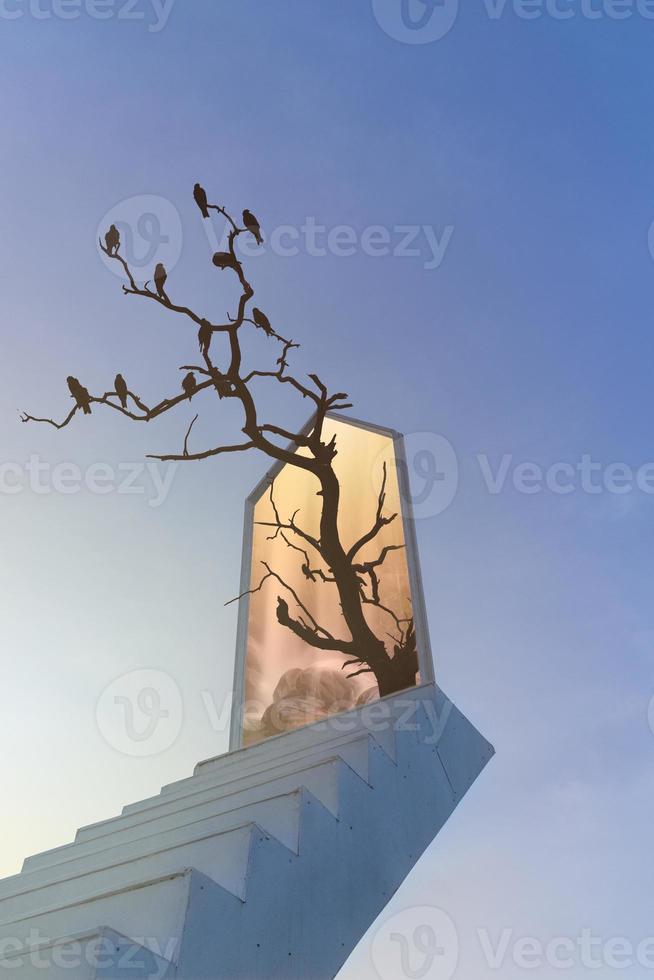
188,434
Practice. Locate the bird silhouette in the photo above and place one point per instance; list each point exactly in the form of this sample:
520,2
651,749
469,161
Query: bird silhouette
80,394
190,385
252,225
112,240
262,321
222,383
160,276
204,336
200,197
120,387
224,260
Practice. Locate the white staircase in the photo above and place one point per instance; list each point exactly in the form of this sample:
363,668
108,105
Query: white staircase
244,870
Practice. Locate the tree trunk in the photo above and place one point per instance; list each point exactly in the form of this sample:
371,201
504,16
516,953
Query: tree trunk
394,674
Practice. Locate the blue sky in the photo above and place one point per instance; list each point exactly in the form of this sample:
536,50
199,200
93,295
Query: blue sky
531,139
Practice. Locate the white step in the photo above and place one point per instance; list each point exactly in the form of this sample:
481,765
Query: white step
166,851
151,910
221,770
222,856
90,956
315,738
355,754
321,780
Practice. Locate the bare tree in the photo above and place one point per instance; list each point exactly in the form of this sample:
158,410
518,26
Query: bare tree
325,559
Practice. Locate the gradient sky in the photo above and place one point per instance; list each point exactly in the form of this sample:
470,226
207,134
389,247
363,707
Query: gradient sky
533,339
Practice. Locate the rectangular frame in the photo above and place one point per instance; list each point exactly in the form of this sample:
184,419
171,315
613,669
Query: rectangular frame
425,658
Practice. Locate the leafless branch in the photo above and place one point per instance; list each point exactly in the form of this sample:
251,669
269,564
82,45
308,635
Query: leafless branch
311,638
290,525
24,417
187,436
148,413
364,670
380,521
279,375
269,333
218,451
379,605
318,632
294,437
134,290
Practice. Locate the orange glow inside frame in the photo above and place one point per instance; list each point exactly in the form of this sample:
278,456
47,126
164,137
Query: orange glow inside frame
288,683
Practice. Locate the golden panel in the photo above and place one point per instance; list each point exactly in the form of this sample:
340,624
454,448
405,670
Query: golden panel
288,681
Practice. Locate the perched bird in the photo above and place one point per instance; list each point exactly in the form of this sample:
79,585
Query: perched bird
200,197
204,336
112,240
160,276
80,394
222,383
189,385
262,321
224,260
251,223
120,386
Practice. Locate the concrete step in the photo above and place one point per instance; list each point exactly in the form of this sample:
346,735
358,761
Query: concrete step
222,856
151,910
277,817
100,955
317,738
320,780
355,755
348,747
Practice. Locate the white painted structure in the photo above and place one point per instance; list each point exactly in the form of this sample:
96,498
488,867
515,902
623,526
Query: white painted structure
268,862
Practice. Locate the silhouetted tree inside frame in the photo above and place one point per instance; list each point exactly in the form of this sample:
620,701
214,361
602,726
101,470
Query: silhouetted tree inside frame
356,581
